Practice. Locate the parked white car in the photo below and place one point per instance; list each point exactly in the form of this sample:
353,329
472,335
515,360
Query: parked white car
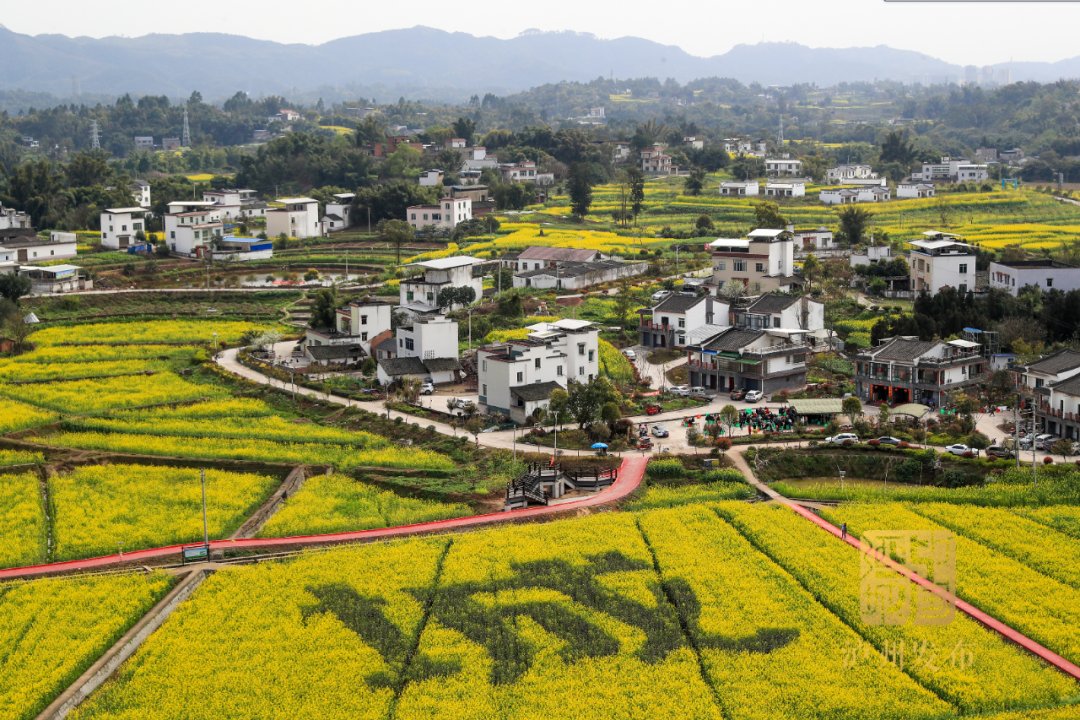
700,392
660,295
961,449
752,396
679,390
427,388
842,439
630,354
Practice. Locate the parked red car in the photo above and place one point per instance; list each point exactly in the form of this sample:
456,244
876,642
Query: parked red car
653,409
645,443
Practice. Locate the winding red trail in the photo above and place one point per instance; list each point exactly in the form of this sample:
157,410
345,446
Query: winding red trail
967,608
631,473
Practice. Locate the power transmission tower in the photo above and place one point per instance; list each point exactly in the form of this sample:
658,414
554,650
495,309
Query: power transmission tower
780,135
185,138
95,140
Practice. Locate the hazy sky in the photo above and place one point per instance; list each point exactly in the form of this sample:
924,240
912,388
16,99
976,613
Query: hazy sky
962,32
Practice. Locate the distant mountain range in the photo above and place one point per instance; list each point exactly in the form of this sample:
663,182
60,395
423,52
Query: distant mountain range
424,63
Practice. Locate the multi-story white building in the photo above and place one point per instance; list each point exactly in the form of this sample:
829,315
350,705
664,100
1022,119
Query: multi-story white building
873,255
774,311
140,193
516,378
450,212
191,226
420,294
298,217
739,188
654,161
682,319
846,172
941,261
12,219
748,359
120,225
953,170
1044,274
905,369
360,325
764,261
1046,371
524,171
427,348
431,178
812,239
578,275
783,167
339,215
227,201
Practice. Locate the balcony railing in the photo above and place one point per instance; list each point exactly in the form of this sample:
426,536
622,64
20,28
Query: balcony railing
650,325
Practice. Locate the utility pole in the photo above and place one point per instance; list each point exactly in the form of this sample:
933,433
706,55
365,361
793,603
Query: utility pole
1016,430
205,530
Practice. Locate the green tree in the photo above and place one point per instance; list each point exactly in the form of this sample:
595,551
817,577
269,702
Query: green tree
853,223
695,181
1062,447
579,187
324,310
852,407
703,224
585,400
396,232
465,128
811,267
767,215
896,148
13,287
451,297
636,180
729,415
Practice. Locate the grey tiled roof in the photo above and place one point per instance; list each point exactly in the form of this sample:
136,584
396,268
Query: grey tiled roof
772,303
679,303
902,349
1068,387
1058,362
536,391
733,340
396,367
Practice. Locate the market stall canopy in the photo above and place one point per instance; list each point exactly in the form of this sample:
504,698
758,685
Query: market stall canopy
818,406
915,410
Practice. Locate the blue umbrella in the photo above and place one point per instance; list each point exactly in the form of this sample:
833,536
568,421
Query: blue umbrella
599,446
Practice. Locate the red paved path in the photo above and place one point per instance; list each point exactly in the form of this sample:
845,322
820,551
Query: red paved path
631,473
967,608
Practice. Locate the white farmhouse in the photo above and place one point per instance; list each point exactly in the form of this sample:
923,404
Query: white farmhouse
680,319
29,248
789,187
873,255
941,261
812,239
191,226
914,190
578,275
120,225
739,188
763,261
428,348
431,178
140,193
1044,274
298,217
783,167
338,215
12,219
420,294
517,378
360,325
450,212
843,173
